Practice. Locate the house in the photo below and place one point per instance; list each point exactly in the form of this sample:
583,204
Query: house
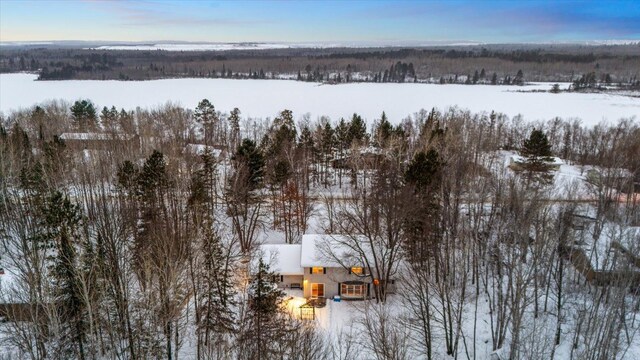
367,158
284,260
322,266
516,162
618,178
218,152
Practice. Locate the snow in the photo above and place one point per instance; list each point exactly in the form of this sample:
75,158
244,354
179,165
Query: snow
197,47
200,149
601,253
333,318
323,250
521,159
95,136
283,259
266,98
312,254
6,281
220,46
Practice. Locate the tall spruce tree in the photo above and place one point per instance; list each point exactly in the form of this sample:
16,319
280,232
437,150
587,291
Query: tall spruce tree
537,153
265,325
357,130
243,204
152,185
62,220
215,295
383,131
205,114
249,156
423,177
234,123
84,114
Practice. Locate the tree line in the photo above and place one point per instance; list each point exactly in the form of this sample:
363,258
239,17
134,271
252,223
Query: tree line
539,62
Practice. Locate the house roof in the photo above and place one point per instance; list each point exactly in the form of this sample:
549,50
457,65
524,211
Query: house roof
199,149
315,250
521,159
328,251
283,259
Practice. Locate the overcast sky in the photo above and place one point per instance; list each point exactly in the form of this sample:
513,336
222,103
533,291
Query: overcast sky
310,21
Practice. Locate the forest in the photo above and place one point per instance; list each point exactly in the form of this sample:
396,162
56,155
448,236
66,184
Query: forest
477,64
137,234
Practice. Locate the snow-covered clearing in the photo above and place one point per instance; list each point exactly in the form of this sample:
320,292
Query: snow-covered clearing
266,98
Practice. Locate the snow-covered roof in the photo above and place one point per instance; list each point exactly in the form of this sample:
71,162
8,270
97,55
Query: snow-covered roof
200,149
95,136
283,259
521,159
315,250
328,251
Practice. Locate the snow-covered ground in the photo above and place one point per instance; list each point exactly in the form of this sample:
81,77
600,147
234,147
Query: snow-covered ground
197,47
266,98
208,46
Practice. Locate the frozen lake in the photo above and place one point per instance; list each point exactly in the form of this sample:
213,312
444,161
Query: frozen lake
265,98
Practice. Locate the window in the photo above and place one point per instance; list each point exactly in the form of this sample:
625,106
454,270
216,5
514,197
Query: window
317,290
356,270
317,270
352,290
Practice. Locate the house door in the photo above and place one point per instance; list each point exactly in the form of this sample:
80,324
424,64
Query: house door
317,290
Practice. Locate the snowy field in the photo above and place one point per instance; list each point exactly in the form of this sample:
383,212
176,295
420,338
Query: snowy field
266,98
197,47
189,46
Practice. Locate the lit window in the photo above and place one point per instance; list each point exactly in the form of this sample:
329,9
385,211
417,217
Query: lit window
317,270
356,270
317,290
352,290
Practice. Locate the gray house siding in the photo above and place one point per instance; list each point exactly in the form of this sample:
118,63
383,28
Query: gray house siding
332,278
285,281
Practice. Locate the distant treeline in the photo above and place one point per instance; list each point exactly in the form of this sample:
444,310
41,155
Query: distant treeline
618,64
538,55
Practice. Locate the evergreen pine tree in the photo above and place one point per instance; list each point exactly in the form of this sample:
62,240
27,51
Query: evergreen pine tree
62,220
327,139
152,185
265,296
266,323
250,156
519,79
216,294
84,115
383,131
342,135
205,114
234,122
537,153
423,177
357,130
